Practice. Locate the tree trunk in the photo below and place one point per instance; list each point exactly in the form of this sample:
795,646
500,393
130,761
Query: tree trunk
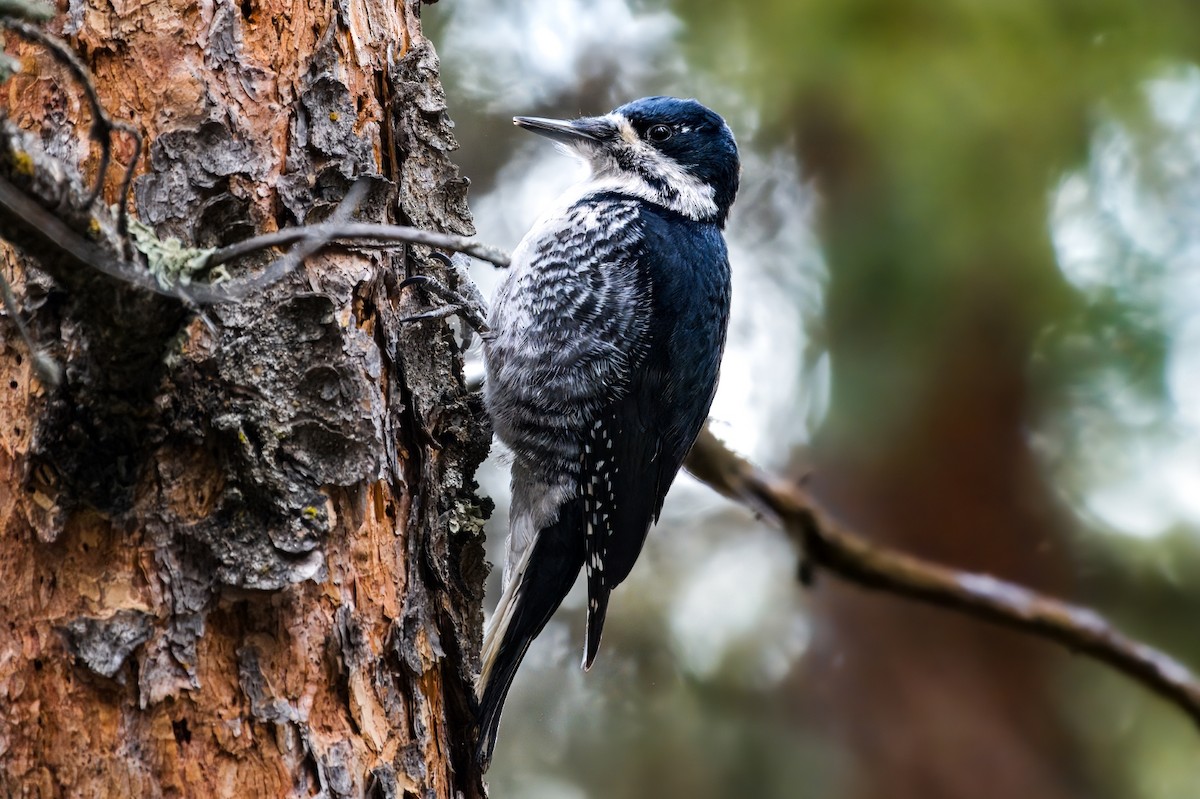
241,547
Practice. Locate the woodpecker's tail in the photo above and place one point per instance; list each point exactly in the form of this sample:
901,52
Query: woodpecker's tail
539,585
597,607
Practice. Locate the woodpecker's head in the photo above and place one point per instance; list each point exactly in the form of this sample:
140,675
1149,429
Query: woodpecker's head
671,152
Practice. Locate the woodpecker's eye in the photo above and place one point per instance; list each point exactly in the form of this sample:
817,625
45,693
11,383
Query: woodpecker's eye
659,133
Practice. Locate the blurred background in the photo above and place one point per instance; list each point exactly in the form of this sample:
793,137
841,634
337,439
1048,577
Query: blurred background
967,305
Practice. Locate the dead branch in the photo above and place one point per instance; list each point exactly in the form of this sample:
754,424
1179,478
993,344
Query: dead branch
102,124
56,236
350,231
828,545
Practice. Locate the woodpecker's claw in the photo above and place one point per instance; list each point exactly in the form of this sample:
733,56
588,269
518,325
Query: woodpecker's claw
455,304
469,309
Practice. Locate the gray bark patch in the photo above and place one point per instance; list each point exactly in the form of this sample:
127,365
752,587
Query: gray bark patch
103,645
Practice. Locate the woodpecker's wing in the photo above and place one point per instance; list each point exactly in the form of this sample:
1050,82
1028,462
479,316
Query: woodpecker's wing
625,478
569,325
637,442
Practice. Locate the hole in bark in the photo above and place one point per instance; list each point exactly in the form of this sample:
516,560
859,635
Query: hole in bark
37,664
12,384
389,510
20,359
17,430
182,734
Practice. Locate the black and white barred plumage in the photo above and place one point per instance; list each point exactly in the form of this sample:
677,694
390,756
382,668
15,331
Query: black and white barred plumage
602,362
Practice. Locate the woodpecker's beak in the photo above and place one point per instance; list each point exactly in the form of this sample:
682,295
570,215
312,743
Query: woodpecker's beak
570,132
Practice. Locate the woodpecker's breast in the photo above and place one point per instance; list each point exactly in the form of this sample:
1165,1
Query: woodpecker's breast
567,323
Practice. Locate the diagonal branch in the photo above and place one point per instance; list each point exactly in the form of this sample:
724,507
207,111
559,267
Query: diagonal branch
829,545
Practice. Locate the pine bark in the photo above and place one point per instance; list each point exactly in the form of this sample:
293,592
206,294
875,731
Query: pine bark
240,544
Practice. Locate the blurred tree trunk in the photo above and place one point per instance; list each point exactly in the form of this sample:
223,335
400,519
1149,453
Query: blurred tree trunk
934,705
937,705
240,547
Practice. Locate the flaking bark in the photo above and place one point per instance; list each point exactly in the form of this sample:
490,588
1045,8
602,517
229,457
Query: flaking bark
241,546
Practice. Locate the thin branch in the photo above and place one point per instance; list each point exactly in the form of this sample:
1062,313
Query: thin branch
330,231
57,235
102,124
314,239
829,545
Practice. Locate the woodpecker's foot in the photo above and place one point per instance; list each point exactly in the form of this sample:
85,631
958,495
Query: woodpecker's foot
468,308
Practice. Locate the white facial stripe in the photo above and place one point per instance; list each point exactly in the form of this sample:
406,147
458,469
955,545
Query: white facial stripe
690,197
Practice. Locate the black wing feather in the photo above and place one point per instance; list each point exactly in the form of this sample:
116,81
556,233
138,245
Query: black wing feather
637,443
621,496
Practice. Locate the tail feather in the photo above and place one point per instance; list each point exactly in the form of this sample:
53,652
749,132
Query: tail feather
539,586
597,607
501,620
492,703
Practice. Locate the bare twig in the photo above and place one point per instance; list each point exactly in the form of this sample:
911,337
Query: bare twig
329,231
46,368
102,125
314,238
56,234
829,545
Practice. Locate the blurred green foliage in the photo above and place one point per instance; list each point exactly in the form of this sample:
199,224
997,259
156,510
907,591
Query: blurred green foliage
938,134
937,131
